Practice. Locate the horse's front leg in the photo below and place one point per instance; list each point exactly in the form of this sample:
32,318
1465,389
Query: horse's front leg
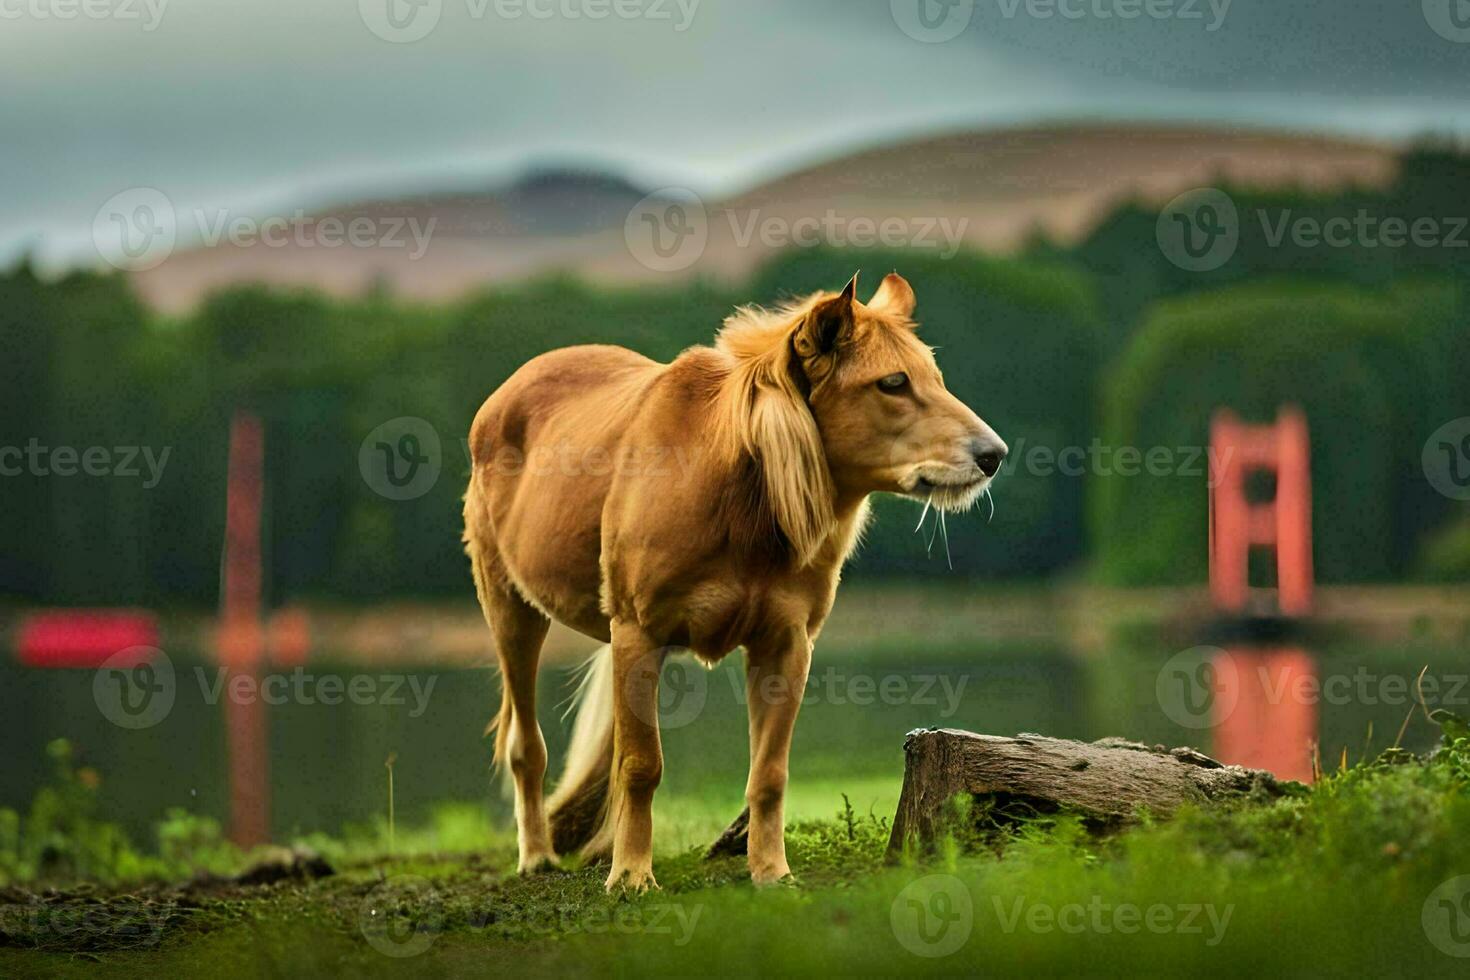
775,680
637,756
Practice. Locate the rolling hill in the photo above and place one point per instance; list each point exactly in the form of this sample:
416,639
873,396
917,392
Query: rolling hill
987,189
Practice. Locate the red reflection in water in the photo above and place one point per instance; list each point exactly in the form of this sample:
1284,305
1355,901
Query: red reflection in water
1265,714
86,638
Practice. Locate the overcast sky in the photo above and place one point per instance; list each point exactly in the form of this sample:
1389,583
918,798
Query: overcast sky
258,106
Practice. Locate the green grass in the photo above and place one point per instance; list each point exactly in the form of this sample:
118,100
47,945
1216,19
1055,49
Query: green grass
1340,881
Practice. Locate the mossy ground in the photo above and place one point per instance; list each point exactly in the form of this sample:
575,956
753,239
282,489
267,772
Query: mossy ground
1357,877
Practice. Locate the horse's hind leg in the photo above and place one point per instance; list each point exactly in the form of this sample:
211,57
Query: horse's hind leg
519,630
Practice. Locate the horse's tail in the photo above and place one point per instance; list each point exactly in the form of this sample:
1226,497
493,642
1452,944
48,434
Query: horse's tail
580,811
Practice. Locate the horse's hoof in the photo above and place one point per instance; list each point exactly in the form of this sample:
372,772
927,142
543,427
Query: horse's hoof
538,864
631,881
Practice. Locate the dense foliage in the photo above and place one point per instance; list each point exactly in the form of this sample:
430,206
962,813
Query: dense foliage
1103,347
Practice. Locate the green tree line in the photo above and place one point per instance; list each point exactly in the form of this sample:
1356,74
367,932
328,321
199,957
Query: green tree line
1086,353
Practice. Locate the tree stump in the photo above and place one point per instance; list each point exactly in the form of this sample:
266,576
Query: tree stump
1108,782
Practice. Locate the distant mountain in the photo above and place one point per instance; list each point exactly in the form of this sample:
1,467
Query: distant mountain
989,189
545,203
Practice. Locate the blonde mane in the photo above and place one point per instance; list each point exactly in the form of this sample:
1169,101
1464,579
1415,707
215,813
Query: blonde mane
763,414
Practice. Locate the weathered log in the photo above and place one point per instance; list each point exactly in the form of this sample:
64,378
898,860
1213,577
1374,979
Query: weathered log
1107,782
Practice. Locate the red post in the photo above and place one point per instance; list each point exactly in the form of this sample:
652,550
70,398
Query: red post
1229,547
1293,514
241,639
1266,711
1237,525
1266,714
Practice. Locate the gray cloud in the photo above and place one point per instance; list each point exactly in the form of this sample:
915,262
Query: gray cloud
288,102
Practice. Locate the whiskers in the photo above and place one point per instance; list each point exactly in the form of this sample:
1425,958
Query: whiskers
925,512
941,522
941,528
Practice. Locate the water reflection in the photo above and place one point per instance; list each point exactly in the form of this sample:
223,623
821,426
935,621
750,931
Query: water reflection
1265,709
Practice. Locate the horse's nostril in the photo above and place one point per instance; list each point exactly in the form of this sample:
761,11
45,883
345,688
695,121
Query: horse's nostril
989,458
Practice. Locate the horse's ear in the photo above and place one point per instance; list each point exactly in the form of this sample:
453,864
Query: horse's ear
894,295
826,324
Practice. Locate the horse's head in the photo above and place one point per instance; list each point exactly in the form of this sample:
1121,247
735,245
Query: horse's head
887,421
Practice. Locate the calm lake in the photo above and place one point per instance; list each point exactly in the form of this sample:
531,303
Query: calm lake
330,729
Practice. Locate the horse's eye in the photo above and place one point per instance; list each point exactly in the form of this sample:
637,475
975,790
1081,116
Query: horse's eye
893,383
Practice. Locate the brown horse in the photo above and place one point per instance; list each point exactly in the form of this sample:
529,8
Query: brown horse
705,504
